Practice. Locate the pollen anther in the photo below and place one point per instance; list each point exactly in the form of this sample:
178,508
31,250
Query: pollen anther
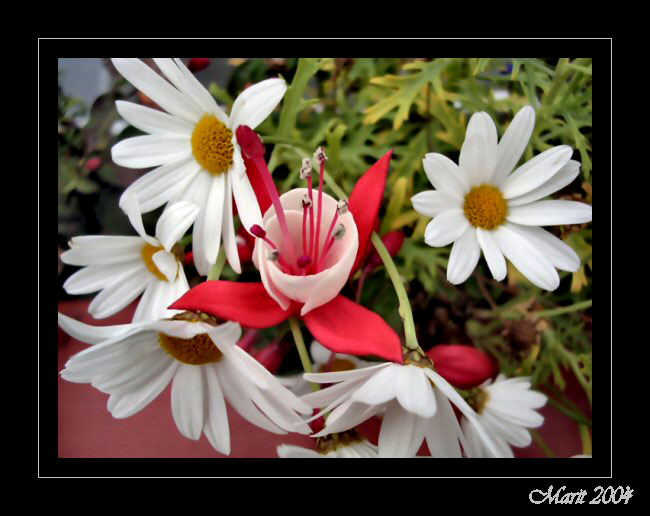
485,207
212,145
198,350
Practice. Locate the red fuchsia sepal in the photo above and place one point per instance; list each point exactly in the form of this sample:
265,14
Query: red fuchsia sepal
365,201
462,366
197,64
245,303
344,326
245,245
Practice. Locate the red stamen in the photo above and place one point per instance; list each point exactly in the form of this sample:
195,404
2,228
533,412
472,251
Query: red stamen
311,217
329,232
321,157
304,230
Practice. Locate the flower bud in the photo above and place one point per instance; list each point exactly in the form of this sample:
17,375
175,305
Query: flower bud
197,64
462,366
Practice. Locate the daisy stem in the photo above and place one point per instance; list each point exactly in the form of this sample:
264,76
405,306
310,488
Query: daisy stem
402,296
586,440
217,268
302,349
564,309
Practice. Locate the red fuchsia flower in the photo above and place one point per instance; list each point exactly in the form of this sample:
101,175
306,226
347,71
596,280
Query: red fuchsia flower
464,367
310,245
197,64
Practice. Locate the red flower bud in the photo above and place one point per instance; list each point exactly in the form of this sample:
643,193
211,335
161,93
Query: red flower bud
93,164
272,355
393,240
462,366
197,64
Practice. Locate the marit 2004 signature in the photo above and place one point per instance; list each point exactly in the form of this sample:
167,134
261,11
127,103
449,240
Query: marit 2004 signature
605,496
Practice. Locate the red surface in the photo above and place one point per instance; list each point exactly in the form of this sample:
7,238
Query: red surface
87,429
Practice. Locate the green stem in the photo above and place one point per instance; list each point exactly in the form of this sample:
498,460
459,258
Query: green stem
573,362
302,349
542,444
564,309
217,268
186,240
579,418
586,440
402,296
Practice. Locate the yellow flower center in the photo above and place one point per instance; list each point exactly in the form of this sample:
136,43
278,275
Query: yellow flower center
212,145
478,399
485,207
147,255
195,351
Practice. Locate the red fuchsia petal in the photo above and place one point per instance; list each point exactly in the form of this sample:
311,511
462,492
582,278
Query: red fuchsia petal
252,149
245,303
343,326
197,64
365,201
462,366
271,356
393,240
247,342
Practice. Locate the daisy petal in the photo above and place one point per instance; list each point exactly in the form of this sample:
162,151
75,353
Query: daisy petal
96,277
150,150
398,436
150,306
119,294
160,185
555,250
87,333
432,202
212,219
414,392
463,257
201,95
152,121
380,388
493,256
131,206
478,153
157,88
443,431
550,213
526,257
216,426
256,102
187,400
167,264
536,172
228,232
103,250
174,222
562,178
445,176
446,228
513,143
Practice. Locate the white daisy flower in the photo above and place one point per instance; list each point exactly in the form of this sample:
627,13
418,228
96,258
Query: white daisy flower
135,362
416,401
479,205
123,267
323,360
195,149
344,445
506,409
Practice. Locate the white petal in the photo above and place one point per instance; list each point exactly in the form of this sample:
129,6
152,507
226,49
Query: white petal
96,277
550,213
133,402
493,256
228,231
212,219
445,175
536,172
167,264
443,431
245,199
157,88
197,192
414,392
513,434
158,186
348,415
526,257
131,206
463,257
151,150
399,435
150,306
103,250
446,228
432,202
119,294
87,333
174,222
513,143
555,250
341,376
187,400
562,178
200,94
478,153
216,426
152,121
380,387
256,102
287,451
